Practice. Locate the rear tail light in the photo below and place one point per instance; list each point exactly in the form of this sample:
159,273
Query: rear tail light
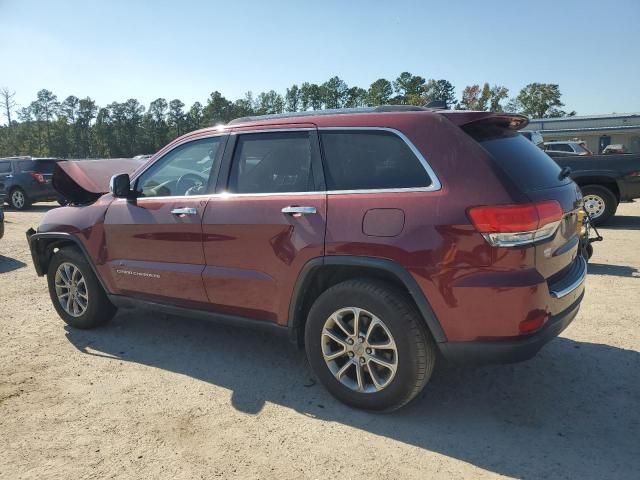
515,225
38,177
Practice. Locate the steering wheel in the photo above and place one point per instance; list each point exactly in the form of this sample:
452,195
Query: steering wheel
188,181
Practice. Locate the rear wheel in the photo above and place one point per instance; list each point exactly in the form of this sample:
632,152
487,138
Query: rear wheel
75,291
368,346
18,199
599,202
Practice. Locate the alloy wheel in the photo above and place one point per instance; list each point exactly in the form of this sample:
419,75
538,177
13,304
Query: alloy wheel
359,350
71,289
17,199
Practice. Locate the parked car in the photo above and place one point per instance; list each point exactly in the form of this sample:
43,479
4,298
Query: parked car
605,181
570,148
25,180
377,238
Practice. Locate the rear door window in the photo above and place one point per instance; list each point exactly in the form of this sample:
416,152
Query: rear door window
5,167
527,165
370,160
278,162
44,166
561,147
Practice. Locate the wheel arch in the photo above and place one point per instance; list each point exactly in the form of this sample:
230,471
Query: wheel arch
44,245
321,273
609,183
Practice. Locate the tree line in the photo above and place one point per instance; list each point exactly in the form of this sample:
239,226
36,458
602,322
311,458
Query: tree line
79,128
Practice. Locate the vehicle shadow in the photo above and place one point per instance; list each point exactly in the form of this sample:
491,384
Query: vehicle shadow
572,412
613,270
8,264
626,222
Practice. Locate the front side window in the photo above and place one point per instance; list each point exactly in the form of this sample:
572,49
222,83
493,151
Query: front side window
183,171
365,160
278,162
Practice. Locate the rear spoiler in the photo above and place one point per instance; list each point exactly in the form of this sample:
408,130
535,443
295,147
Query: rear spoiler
84,181
463,118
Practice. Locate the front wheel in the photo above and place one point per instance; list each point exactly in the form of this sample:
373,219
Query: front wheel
76,292
599,202
368,346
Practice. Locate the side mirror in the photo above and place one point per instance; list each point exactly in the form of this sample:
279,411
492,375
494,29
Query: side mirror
120,186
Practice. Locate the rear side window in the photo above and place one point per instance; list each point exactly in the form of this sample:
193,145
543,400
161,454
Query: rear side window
370,159
278,162
40,166
528,166
560,147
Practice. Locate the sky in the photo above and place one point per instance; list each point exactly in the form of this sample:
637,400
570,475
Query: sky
112,50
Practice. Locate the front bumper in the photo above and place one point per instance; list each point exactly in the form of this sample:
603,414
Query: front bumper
510,351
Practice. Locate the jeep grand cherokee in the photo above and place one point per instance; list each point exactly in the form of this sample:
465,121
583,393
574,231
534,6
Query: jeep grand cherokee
377,238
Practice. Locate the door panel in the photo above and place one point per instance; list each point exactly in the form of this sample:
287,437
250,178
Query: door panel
155,241
254,252
154,253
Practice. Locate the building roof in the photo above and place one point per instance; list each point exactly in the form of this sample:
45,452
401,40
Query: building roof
588,117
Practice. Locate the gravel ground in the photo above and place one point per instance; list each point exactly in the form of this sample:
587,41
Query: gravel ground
152,396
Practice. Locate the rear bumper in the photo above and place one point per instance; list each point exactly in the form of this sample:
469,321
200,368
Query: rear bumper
510,351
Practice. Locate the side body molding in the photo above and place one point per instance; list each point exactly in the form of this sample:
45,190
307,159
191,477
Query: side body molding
305,279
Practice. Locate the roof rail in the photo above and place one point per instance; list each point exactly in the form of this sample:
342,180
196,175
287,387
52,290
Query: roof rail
332,111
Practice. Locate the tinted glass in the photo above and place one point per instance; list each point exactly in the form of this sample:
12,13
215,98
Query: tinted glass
272,163
560,147
185,170
5,167
40,166
528,166
363,160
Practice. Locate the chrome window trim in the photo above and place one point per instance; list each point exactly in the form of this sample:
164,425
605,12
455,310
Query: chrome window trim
434,187
435,181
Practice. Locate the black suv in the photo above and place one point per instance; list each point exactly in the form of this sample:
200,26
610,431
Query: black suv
24,180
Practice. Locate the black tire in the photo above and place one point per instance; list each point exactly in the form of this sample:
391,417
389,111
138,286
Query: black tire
99,310
416,350
14,195
607,197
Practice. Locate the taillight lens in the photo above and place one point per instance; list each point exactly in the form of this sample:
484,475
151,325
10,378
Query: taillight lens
515,225
38,177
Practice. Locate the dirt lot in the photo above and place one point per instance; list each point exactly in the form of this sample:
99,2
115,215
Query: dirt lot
151,396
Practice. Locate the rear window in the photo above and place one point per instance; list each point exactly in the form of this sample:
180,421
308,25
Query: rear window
40,166
528,166
370,159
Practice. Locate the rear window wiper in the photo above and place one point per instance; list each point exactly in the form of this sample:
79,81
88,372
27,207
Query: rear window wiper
564,173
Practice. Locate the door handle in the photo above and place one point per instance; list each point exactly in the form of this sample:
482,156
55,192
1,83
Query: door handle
185,211
297,211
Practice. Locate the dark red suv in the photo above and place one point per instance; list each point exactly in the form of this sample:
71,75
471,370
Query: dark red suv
381,239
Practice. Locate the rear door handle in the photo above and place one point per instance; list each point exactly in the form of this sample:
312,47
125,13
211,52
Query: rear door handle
185,211
297,211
